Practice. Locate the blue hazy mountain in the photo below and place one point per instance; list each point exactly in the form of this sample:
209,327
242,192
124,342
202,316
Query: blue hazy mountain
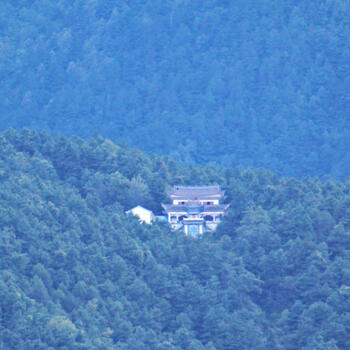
241,83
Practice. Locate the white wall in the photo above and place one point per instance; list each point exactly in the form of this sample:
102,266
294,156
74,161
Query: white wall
176,201
202,201
144,214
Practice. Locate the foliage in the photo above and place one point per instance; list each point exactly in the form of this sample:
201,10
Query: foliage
77,273
233,83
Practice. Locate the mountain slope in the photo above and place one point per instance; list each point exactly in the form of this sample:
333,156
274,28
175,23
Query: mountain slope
77,273
241,83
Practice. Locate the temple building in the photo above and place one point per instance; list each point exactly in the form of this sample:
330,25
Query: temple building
195,209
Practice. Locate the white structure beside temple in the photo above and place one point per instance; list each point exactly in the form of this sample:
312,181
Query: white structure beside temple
143,214
195,209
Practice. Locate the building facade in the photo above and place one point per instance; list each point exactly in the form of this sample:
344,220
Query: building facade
195,209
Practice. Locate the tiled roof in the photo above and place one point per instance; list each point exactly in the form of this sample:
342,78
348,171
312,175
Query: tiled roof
215,208
196,191
174,208
186,208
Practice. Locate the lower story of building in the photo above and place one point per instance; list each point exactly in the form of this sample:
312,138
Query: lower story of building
194,228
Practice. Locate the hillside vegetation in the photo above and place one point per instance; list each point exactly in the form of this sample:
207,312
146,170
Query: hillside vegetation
77,273
236,83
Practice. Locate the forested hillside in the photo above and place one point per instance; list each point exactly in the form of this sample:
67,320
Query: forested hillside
239,83
77,273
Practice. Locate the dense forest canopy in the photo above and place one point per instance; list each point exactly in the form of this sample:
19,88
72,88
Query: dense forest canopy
236,83
77,273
